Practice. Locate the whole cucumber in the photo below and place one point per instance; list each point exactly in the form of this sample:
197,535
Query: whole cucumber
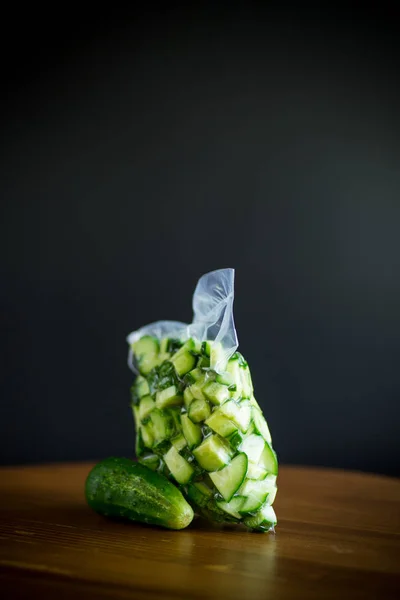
119,487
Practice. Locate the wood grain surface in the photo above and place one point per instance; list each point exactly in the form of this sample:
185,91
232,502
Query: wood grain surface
338,537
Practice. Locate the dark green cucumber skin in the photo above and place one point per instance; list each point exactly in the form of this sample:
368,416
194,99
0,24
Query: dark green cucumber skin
122,488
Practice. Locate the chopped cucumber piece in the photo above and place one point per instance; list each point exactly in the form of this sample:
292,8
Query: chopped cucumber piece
217,355
168,397
233,368
179,442
142,387
247,386
145,351
206,348
213,453
180,469
256,472
216,392
239,413
152,461
225,378
187,397
221,424
229,479
268,460
253,446
199,493
163,425
197,390
183,361
145,407
191,431
236,440
260,424
203,362
233,507
194,375
199,410
264,520
147,435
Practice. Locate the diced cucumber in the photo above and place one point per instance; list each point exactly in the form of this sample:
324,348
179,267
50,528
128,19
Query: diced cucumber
203,488
136,416
199,493
139,446
253,446
179,441
168,397
197,390
239,413
203,362
194,375
206,348
260,424
233,368
257,494
251,486
232,507
187,397
271,496
147,435
264,520
216,392
235,439
247,386
145,407
152,461
225,378
146,353
142,387
213,453
145,345
221,424
256,472
199,410
268,460
183,361
229,479
191,431
217,355
180,469
163,426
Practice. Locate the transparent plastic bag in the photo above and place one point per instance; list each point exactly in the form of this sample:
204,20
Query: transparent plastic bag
212,318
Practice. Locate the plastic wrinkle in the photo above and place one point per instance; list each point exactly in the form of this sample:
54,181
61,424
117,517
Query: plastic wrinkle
212,318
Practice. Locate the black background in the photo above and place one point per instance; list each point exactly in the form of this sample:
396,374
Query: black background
138,153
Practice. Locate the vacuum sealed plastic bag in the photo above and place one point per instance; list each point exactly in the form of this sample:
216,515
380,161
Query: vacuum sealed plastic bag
196,416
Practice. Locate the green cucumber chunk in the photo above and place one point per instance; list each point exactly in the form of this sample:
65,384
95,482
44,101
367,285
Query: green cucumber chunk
191,431
213,453
180,469
229,479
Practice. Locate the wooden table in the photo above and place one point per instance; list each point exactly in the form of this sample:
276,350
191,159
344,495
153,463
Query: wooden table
338,537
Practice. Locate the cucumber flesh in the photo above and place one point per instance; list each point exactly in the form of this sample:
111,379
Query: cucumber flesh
212,454
168,397
229,479
221,424
233,507
191,431
268,460
181,470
